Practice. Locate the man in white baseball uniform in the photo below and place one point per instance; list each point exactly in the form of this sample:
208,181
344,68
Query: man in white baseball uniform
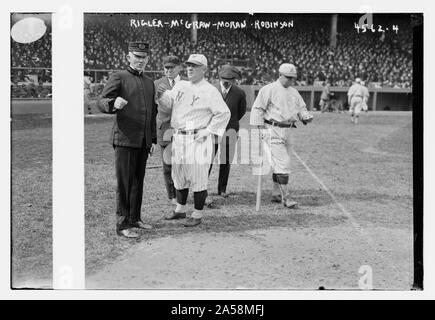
366,96
198,112
355,97
275,111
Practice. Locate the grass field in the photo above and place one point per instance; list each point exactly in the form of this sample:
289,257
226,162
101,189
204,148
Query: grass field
355,180
31,200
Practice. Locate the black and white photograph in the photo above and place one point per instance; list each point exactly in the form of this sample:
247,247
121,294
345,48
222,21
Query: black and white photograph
31,150
249,151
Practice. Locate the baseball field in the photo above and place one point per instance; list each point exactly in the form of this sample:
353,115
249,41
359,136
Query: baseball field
31,199
352,229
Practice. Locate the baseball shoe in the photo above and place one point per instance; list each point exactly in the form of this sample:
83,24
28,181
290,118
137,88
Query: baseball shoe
191,222
276,198
223,194
289,203
175,215
209,202
142,225
127,233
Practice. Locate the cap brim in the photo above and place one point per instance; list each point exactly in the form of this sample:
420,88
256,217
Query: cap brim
140,53
194,62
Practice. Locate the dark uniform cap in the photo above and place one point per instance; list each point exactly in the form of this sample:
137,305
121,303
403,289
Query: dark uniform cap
228,72
171,61
138,47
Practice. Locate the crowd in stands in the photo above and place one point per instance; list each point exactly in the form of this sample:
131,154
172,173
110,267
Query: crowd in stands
381,59
31,68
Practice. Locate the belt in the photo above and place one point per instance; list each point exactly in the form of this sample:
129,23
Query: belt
280,124
185,132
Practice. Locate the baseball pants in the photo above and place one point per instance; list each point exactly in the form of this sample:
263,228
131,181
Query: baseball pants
190,162
355,105
279,142
130,166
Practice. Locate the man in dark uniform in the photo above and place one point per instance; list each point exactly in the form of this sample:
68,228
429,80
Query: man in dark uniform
172,68
130,95
235,98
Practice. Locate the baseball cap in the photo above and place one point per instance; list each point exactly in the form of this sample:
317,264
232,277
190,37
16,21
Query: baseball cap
288,70
358,80
198,59
138,47
228,72
171,61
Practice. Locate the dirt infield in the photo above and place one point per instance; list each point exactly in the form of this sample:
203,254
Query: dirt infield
354,188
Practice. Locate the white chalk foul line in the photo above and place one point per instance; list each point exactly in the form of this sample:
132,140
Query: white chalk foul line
342,208
352,220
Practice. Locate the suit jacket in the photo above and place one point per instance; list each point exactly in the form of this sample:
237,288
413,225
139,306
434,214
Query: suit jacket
236,102
163,120
135,124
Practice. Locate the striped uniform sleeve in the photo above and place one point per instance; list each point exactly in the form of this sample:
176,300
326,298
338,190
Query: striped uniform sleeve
259,108
221,113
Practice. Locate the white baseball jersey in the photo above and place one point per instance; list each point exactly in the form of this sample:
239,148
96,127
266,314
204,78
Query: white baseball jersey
196,106
356,96
356,90
274,102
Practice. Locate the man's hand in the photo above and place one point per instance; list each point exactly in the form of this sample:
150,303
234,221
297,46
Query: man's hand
119,103
305,117
162,88
202,135
152,149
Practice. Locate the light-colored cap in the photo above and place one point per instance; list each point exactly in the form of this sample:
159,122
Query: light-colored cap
288,69
198,59
358,80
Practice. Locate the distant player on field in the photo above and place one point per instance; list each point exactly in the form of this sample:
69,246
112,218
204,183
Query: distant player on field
366,96
355,97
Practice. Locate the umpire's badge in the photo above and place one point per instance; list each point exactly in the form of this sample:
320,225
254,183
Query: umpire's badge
141,46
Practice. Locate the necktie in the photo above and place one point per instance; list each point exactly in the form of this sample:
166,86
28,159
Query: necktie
224,93
171,82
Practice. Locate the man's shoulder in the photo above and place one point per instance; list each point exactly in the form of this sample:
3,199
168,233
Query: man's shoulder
238,90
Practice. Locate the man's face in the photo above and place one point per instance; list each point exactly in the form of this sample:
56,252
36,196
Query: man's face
138,60
227,82
195,73
172,71
287,81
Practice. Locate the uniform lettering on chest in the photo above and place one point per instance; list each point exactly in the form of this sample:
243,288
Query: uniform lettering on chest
179,95
194,99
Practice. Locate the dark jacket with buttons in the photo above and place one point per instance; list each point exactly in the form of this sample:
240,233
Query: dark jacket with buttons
236,102
135,124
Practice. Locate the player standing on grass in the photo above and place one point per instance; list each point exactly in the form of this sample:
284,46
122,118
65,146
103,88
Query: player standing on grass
366,96
130,95
198,112
355,97
275,111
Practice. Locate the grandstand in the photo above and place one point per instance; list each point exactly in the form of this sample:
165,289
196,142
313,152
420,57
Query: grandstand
31,64
383,59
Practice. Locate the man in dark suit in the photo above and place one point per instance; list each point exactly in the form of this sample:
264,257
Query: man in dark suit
129,94
172,68
235,98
